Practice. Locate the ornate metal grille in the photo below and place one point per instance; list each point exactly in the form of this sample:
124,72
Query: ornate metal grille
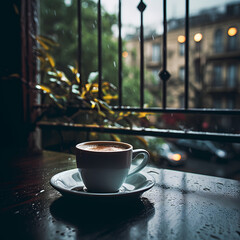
164,75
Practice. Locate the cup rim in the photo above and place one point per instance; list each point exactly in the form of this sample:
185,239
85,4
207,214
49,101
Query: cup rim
129,146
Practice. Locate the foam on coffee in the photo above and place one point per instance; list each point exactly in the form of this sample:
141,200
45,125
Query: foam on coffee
103,147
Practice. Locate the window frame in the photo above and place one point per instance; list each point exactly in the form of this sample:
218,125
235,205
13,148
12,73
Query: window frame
164,75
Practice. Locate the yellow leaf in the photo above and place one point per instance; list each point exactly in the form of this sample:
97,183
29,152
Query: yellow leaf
47,40
105,84
16,9
119,118
51,60
93,134
16,75
73,69
63,77
110,97
141,139
43,88
99,111
55,100
104,105
115,137
45,46
88,86
142,114
126,114
59,74
78,77
41,59
122,115
93,104
94,91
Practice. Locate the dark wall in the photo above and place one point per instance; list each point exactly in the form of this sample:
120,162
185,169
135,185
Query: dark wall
12,127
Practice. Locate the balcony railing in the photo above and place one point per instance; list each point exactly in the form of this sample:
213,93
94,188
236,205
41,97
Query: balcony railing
164,75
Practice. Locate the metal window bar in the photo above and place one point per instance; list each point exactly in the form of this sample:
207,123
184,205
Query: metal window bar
99,50
186,54
79,15
120,54
164,76
164,87
141,8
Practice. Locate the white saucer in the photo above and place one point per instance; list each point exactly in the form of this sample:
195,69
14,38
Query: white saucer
69,183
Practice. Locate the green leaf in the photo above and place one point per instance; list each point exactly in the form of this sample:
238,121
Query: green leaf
105,106
99,110
55,100
92,77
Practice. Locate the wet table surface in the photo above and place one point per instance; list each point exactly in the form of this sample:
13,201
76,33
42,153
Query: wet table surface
179,206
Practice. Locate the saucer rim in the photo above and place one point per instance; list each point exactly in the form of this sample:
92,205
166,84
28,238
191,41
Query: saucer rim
71,192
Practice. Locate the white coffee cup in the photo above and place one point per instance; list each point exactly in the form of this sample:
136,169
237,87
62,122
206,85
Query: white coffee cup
104,165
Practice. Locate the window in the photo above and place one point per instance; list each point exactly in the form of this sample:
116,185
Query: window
232,75
232,43
156,50
181,73
199,63
230,103
217,76
181,101
218,41
181,49
217,102
155,75
197,68
198,47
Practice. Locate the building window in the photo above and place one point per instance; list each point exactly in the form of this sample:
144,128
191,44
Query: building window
218,41
198,47
181,73
156,50
181,49
217,102
232,43
230,103
232,75
197,68
181,101
217,76
155,75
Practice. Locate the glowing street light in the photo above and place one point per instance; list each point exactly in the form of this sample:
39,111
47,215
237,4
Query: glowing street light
232,31
198,37
181,39
125,54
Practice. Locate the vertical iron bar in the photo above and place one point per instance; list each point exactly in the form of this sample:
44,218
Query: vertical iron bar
186,54
164,89
99,51
141,63
79,57
120,54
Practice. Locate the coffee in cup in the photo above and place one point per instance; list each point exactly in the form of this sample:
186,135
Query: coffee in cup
104,165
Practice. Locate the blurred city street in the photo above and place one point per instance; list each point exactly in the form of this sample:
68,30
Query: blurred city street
228,169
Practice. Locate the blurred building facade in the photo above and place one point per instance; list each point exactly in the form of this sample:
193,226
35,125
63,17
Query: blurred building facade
214,59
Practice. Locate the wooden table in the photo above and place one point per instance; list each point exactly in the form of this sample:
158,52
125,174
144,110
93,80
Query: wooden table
179,206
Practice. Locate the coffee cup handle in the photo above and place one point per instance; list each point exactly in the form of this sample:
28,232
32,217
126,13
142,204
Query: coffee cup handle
144,162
